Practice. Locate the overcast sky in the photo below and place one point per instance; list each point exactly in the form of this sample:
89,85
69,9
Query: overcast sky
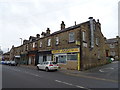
24,18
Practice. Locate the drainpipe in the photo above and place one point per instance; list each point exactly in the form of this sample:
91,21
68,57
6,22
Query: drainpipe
81,58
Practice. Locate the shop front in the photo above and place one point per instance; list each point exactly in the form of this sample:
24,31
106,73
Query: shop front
44,56
67,58
32,57
24,58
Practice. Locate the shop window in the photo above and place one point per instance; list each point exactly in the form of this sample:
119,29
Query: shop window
49,42
62,59
71,37
72,57
49,57
57,41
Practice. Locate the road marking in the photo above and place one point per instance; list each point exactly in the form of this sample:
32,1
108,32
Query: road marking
72,84
91,77
63,82
105,69
101,70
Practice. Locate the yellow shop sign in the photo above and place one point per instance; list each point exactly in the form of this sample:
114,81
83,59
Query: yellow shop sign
66,50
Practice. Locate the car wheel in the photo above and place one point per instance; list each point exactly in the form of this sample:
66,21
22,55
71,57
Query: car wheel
37,68
46,69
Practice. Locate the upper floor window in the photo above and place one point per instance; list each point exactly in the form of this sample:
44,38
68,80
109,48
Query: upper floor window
97,41
57,40
83,36
71,37
33,44
94,26
112,46
40,44
49,42
112,53
26,47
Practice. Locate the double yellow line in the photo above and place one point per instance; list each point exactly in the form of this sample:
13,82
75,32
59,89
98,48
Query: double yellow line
91,77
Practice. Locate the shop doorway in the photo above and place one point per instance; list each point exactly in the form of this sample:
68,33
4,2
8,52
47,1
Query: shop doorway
44,58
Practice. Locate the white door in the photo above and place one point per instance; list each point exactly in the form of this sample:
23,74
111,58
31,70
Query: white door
49,57
40,59
29,60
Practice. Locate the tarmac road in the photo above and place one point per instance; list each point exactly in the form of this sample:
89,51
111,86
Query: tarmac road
23,77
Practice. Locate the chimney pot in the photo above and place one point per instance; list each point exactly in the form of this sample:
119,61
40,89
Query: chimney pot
90,18
75,22
62,25
38,35
48,31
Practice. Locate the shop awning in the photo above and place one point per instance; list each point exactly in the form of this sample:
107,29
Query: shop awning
17,56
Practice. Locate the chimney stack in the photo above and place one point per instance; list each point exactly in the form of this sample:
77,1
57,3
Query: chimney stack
43,34
38,35
62,25
75,23
48,31
90,18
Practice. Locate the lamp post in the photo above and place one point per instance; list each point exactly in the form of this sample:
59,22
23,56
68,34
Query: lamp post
21,41
20,54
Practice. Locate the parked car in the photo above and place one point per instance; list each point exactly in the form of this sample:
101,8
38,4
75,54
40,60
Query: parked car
48,65
7,62
2,62
13,63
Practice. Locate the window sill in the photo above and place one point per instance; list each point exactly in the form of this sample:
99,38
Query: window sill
71,42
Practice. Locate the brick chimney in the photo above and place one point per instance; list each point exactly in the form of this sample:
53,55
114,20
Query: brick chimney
48,31
62,25
38,35
43,34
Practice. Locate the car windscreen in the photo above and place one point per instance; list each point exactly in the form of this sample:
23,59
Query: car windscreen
53,63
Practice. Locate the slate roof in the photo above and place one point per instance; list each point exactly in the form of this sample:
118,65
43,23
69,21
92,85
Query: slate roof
113,40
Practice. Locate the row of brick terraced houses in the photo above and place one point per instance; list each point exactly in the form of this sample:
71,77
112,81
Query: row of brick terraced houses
80,47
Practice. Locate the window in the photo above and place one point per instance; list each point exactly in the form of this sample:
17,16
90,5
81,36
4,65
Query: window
57,40
112,46
94,26
49,42
71,37
62,59
112,53
83,36
96,41
33,44
98,55
72,57
26,47
40,44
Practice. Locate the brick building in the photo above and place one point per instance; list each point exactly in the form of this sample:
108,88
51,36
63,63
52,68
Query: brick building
1,53
80,46
6,56
15,53
114,47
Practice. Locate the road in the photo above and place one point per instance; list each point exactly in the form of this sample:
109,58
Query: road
22,77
